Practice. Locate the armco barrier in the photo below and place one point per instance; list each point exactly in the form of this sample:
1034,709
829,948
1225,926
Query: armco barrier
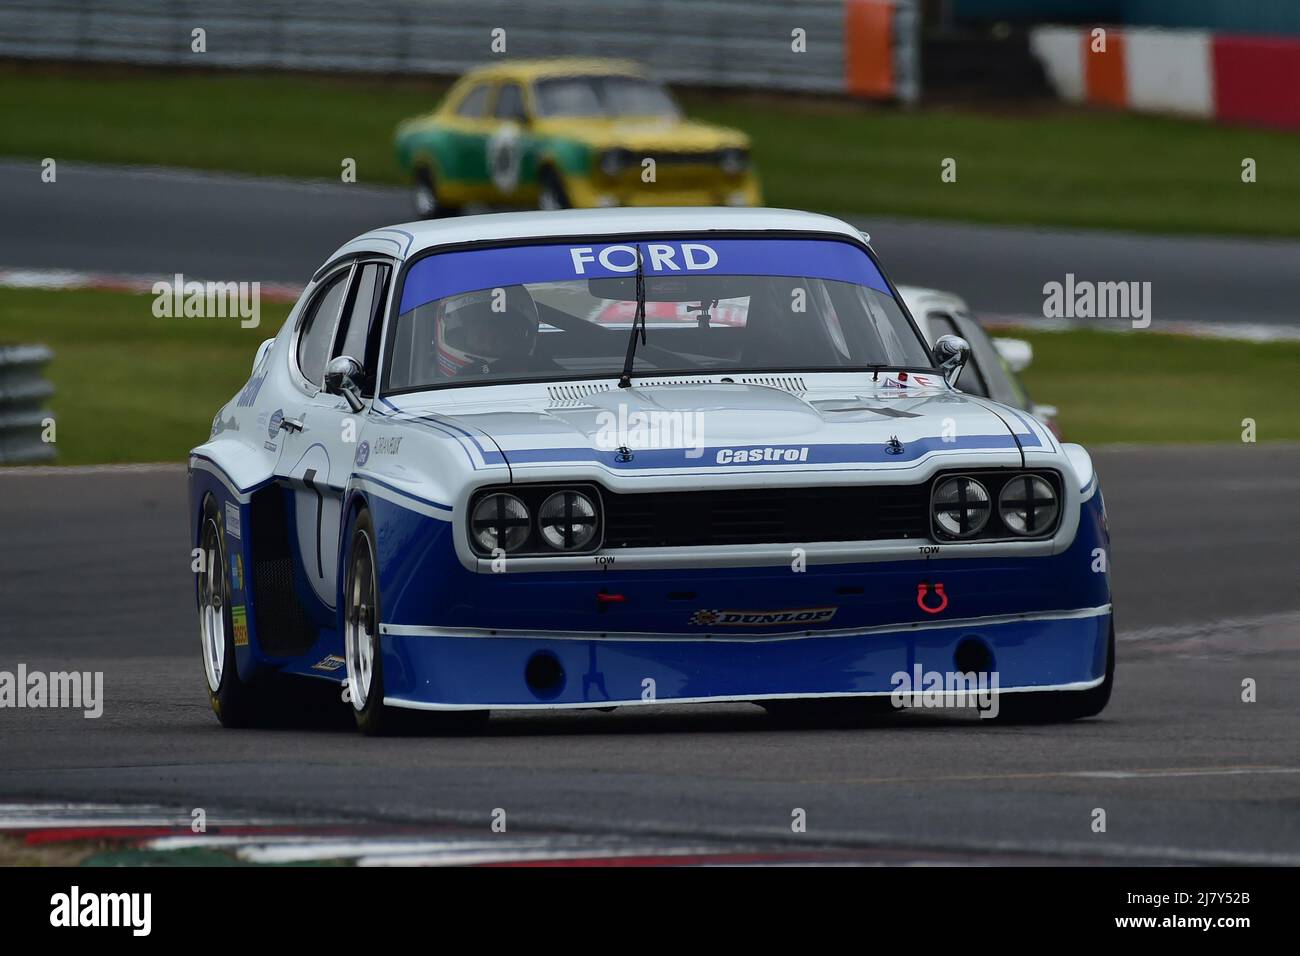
23,391
1232,79
865,48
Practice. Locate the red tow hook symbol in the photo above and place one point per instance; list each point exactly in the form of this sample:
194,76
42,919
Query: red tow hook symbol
921,590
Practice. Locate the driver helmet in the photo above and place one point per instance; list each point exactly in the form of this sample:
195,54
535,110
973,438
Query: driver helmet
483,327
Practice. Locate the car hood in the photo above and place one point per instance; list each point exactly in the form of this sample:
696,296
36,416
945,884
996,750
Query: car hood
729,427
650,134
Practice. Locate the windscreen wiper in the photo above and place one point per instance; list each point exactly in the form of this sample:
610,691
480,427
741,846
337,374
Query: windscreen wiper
638,323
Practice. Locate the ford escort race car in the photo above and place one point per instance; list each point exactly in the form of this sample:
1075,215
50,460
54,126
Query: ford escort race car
564,133
512,461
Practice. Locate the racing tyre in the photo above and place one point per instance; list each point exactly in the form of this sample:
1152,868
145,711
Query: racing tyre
236,703
1050,707
424,194
361,650
551,192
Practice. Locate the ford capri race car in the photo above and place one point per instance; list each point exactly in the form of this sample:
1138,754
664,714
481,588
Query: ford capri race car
564,133
607,458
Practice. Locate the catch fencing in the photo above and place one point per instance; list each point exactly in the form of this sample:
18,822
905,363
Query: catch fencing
858,47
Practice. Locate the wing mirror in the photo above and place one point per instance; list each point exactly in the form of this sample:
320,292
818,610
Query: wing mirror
341,376
951,352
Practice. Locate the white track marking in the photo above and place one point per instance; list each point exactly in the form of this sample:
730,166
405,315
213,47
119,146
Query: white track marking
44,471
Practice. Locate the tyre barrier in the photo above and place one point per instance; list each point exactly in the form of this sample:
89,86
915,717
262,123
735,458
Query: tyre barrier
24,419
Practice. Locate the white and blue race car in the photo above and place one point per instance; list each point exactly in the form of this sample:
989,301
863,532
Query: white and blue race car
623,457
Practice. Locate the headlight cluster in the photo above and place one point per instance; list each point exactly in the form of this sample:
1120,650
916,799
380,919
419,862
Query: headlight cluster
614,161
733,161
535,520
995,505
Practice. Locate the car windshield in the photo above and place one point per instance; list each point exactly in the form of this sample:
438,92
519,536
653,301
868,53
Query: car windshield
602,96
545,312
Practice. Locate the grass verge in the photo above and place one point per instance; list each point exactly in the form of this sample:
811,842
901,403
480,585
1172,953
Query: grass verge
135,388
1042,166
131,387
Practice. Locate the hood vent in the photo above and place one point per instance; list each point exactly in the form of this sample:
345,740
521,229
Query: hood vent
573,394
576,394
786,383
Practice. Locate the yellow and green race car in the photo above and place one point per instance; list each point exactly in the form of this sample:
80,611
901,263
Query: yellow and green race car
556,134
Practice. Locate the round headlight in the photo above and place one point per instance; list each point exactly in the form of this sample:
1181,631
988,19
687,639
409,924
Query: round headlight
1028,505
499,521
961,507
733,161
567,520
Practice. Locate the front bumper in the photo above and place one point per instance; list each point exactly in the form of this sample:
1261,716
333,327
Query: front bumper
594,192
443,669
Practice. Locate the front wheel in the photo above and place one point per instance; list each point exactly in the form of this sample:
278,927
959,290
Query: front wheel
361,630
424,195
363,654
1050,707
551,192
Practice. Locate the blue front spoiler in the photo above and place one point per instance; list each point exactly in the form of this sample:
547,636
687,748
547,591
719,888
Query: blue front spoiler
436,669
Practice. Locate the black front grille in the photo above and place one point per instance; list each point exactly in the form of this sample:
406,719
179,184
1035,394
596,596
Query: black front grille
766,516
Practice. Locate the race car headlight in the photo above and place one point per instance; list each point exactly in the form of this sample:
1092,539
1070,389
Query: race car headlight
499,521
960,507
733,161
612,161
567,521
1028,505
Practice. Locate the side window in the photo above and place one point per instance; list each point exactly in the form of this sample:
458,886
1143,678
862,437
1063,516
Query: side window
358,333
510,103
969,381
474,105
318,328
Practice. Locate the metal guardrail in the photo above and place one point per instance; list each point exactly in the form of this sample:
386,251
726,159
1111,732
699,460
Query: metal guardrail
23,391
726,43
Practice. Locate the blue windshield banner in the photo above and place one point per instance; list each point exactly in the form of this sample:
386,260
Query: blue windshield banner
451,273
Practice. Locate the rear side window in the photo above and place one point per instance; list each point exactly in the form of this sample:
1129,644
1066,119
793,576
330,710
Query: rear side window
510,103
475,103
318,328
358,334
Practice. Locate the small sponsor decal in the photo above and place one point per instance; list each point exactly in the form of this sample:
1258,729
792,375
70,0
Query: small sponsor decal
232,519
273,426
248,395
220,425
893,446
331,663
902,380
388,446
239,624
656,257
743,456
363,453
798,615
237,572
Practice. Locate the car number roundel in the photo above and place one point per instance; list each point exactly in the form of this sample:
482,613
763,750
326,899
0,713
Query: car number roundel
505,156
